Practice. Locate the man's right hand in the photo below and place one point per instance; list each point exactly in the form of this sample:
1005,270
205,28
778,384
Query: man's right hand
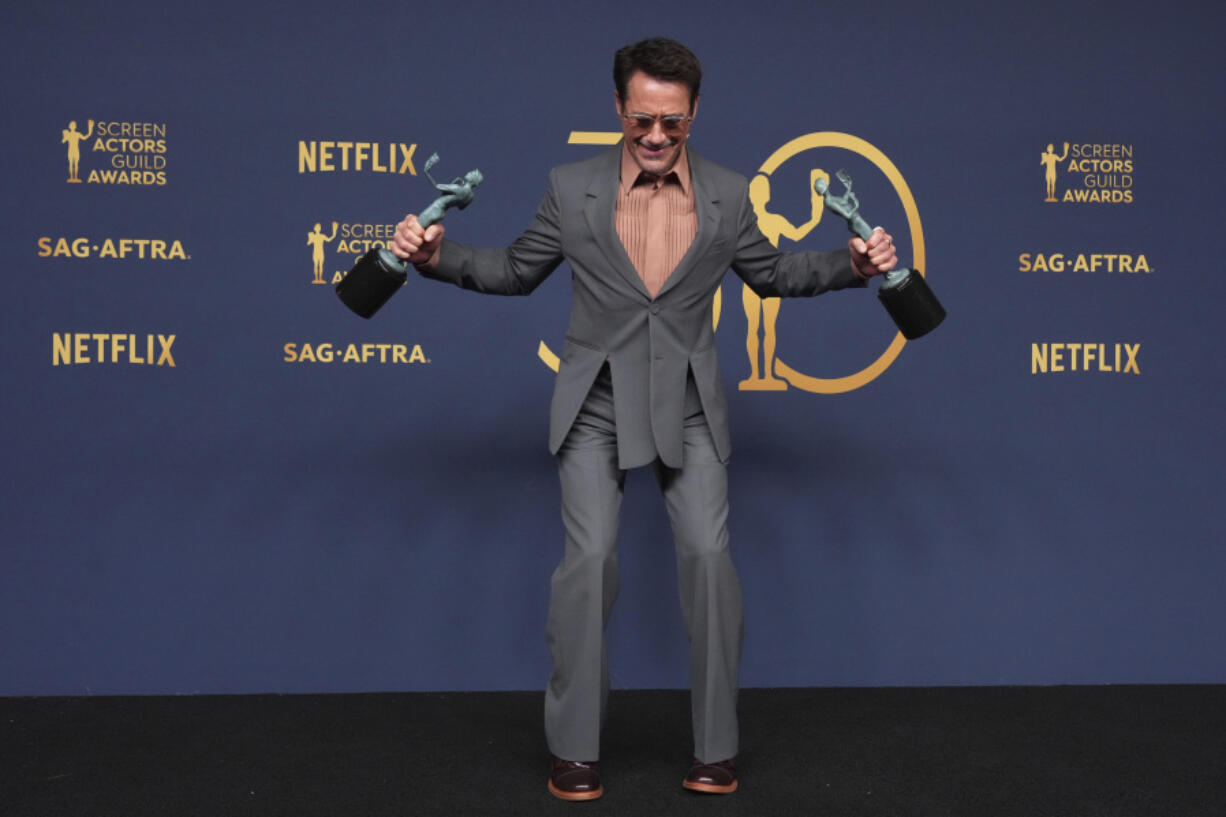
419,247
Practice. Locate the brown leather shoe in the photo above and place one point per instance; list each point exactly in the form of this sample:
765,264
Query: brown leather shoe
574,780
712,778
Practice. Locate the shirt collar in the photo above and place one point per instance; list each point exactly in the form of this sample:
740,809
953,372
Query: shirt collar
630,170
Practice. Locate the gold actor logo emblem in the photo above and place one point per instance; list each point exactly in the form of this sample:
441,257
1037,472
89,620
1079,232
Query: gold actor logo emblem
1050,160
73,138
775,226
316,239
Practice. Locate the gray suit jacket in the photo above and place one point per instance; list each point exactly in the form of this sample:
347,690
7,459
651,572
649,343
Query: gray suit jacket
652,345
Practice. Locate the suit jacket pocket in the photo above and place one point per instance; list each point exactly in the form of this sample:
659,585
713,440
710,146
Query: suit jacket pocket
580,346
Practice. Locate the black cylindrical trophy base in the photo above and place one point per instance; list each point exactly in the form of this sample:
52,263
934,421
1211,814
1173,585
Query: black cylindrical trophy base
910,302
376,277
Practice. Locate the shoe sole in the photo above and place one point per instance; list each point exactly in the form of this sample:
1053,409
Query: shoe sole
710,788
575,796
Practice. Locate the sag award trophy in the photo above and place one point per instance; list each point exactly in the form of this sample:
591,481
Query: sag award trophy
904,293
379,274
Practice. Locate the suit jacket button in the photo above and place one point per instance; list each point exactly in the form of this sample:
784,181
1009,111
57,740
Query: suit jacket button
655,309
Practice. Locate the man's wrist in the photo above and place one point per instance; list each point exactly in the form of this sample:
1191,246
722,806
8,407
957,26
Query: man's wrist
432,262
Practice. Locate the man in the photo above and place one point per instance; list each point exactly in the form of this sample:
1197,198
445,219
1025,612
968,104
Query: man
649,229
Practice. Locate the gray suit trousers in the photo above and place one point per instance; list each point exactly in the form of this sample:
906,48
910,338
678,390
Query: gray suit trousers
585,584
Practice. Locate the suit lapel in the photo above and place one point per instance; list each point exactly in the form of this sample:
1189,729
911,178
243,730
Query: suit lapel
598,210
706,204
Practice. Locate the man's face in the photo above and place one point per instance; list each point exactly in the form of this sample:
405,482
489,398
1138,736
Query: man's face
656,148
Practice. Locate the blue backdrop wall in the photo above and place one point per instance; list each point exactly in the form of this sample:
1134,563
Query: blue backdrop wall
217,479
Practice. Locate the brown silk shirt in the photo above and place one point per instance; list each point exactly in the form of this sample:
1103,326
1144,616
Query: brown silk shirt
655,219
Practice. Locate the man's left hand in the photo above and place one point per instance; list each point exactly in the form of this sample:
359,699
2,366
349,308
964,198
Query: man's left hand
875,256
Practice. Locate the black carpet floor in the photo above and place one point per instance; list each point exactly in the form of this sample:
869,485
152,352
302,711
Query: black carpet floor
989,752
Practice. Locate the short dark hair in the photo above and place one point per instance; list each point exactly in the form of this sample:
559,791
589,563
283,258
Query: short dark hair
659,58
